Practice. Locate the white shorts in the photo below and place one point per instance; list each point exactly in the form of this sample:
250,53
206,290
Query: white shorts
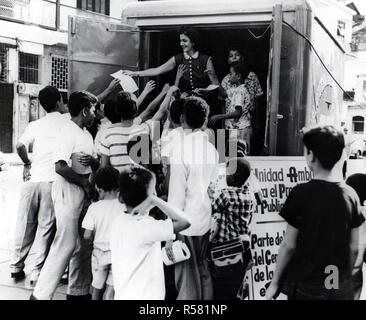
101,268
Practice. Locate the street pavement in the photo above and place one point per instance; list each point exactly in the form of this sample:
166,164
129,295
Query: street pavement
10,184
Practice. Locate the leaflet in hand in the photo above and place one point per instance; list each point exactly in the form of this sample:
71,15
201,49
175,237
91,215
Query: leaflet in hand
127,83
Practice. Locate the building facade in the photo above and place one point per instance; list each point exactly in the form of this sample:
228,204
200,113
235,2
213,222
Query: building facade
33,54
355,85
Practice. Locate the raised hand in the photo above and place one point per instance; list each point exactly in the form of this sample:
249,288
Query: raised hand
180,70
113,84
150,86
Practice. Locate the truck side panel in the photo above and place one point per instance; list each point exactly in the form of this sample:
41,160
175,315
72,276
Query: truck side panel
96,49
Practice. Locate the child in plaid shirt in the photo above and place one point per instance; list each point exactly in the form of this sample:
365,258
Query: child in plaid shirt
232,212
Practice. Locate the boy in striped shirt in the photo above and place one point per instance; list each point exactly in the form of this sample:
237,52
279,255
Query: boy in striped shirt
114,140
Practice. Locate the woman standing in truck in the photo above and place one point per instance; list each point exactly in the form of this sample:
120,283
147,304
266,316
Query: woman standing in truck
195,70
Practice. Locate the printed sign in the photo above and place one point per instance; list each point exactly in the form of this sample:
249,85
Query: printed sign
277,176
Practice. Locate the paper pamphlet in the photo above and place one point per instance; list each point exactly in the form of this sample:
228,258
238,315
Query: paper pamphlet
127,83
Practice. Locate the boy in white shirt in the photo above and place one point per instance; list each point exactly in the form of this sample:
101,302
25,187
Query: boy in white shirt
192,169
136,237
97,223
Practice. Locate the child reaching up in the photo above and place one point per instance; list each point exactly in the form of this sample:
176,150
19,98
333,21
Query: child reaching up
136,237
97,223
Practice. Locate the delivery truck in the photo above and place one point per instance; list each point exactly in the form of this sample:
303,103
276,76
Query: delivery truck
296,47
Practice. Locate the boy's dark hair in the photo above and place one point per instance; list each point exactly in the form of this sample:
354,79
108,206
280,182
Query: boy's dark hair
241,174
48,98
195,112
240,68
126,106
176,110
192,34
79,100
358,183
133,184
110,111
326,143
107,178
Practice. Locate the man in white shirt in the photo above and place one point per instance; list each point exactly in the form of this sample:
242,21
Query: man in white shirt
35,212
192,170
74,159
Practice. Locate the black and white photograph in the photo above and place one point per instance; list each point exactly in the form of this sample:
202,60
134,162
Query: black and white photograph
207,151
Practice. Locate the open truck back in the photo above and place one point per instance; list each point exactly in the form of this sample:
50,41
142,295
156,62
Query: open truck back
298,88
300,85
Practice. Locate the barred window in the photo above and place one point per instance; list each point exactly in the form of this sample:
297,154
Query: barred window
358,124
59,69
28,67
99,6
3,64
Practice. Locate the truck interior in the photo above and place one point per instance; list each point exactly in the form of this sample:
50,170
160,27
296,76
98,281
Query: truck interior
252,40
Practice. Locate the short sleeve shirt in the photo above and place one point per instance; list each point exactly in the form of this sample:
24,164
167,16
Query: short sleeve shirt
138,272
99,218
44,134
324,213
74,140
251,83
114,141
235,206
238,97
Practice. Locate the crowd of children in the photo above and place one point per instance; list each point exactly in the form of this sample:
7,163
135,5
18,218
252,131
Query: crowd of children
105,191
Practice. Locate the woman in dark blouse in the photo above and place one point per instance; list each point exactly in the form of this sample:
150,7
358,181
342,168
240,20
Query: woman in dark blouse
195,70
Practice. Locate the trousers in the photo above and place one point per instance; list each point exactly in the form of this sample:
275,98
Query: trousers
35,224
67,247
192,277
